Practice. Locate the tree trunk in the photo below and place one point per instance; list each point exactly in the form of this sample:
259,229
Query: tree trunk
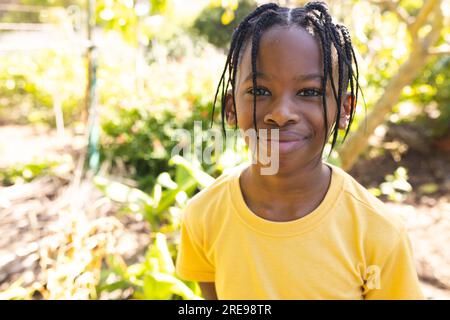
357,142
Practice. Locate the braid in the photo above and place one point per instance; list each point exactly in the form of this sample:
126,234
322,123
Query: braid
338,43
316,19
234,67
350,54
327,62
338,36
261,25
322,8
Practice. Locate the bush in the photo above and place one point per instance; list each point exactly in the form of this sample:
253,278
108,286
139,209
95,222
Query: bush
178,89
31,83
209,23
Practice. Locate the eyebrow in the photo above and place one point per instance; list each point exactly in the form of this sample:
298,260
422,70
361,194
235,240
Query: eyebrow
301,77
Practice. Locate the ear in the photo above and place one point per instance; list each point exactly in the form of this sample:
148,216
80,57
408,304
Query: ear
230,115
346,108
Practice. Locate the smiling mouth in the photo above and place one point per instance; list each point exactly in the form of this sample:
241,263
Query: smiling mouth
288,145
299,138
285,141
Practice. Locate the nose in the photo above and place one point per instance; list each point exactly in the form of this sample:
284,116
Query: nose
282,113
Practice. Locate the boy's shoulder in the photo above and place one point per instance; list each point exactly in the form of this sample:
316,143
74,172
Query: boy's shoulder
372,210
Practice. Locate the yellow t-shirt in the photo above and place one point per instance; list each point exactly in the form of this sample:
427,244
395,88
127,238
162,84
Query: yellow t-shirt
349,247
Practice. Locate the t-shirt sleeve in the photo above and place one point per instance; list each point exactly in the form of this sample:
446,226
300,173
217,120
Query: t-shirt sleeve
397,278
192,263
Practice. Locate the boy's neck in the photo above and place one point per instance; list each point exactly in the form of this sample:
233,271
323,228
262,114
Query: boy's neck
288,196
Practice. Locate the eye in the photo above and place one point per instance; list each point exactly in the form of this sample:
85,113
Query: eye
310,93
259,92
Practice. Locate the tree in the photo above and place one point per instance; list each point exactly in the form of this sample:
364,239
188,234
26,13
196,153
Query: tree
422,48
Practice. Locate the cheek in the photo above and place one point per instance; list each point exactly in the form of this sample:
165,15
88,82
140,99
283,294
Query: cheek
317,122
315,117
331,115
244,110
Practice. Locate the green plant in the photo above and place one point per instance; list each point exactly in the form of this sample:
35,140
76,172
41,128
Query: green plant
26,172
154,278
216,23
396,186
137,129
32,83
157,207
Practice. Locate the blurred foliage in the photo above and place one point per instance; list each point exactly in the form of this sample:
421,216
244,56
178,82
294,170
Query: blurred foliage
430,93
138,132
31,83
382,44
158,207
216,23
395,187
123,15
21,173
154,278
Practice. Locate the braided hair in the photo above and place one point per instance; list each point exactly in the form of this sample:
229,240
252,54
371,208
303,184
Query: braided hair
335,43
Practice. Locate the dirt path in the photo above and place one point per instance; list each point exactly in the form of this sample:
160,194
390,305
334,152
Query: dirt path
429,231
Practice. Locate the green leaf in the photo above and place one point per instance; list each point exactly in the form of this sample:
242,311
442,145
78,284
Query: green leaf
160,286
375,191
117,265
157,288
136,270
181,175
166,181
157,195
202,177
169,197
121,193
160,251
121,284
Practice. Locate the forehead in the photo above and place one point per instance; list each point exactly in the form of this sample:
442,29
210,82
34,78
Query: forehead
284,52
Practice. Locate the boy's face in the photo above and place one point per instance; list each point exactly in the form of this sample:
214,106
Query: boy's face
289,94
